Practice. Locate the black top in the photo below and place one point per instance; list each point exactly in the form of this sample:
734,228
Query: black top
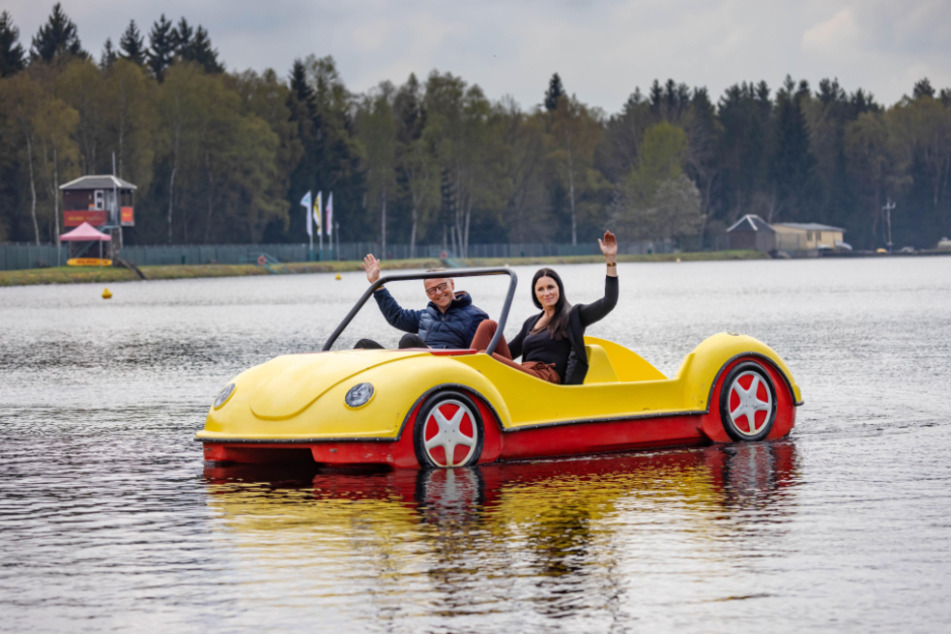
542,347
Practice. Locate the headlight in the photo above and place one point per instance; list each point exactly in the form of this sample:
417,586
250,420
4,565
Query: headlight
224,395
359,395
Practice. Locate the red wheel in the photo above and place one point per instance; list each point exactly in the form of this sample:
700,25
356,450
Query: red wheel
448,431
748,402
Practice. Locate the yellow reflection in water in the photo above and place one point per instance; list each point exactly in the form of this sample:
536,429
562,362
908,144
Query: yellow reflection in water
433,543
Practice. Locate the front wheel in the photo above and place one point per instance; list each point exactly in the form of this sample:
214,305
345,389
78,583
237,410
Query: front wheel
748,402
448,431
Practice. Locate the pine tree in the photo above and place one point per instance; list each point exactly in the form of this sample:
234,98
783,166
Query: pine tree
702,164
656,98
555,90
744,113
56,39
161,47
828,116
201,52
410,113
302,104
182,37
132,46
792,163
676,99
11,52
863,102
109,55
301,90
923,89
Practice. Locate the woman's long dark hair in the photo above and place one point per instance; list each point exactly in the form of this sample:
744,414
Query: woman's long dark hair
558,326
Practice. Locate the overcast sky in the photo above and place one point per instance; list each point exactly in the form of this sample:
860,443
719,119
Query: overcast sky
602,49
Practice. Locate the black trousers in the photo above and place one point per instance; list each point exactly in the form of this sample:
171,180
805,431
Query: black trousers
409,340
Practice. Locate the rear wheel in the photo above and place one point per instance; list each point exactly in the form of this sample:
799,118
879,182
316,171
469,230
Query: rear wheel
448,431
748,402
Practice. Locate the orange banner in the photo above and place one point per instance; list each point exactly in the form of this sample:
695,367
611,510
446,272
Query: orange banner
76,217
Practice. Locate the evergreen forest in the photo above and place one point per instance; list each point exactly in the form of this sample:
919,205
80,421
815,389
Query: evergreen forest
226,157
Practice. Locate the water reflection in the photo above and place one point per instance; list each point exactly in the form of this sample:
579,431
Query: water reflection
565,526
734,476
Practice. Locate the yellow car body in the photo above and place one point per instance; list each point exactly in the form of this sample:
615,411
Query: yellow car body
294,406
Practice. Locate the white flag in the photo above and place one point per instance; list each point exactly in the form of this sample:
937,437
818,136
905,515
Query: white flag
330,214
305,201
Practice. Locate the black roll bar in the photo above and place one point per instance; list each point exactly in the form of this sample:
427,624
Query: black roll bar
397,277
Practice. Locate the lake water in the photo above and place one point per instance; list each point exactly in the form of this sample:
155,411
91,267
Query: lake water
109,519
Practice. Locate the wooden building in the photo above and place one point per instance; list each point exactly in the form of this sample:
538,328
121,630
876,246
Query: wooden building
752,232
807,236
104,201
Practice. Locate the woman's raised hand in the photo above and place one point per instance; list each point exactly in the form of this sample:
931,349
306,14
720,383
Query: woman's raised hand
608,246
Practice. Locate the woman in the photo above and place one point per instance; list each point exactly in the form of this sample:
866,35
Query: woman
551,343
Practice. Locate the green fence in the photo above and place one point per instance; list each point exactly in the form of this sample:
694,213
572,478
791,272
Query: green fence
29,256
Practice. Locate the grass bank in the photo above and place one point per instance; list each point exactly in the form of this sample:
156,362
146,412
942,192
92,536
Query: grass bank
100,275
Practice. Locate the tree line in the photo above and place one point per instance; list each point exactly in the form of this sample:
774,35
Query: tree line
225,157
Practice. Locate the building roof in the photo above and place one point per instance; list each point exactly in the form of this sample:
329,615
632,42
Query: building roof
98,181
751,222
808,226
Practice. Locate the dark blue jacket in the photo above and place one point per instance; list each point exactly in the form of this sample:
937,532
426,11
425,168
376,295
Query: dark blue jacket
452,329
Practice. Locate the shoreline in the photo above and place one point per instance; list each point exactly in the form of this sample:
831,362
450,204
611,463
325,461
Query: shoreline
114,274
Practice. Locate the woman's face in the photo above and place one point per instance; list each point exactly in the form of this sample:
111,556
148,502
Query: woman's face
546,290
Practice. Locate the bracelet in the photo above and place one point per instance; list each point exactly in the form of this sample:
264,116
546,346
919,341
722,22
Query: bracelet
610,264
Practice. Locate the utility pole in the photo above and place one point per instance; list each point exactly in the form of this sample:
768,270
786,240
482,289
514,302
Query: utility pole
887,213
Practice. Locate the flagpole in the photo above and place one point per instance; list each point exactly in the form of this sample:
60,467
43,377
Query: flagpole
329,221
305,202
318,218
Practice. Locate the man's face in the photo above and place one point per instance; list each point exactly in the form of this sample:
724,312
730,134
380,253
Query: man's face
440,292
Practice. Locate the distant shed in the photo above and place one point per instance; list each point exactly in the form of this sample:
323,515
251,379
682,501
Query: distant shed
807,236
101,200
752,232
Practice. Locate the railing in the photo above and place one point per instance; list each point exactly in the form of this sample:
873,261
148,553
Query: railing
29,256
14,257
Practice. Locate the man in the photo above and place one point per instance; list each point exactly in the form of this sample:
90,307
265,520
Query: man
449,321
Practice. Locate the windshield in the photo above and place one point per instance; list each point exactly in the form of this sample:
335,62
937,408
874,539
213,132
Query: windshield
457,274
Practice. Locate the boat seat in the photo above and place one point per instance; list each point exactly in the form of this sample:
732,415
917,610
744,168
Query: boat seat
600,369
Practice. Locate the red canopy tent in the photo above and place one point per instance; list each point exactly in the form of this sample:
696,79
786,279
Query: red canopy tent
86,233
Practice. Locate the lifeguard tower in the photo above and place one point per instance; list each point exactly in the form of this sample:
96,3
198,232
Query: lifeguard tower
103,201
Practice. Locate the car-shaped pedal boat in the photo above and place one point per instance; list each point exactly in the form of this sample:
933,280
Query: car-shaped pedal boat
423,408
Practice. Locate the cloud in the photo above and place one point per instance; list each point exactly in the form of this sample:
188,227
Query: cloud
602,49
835,34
